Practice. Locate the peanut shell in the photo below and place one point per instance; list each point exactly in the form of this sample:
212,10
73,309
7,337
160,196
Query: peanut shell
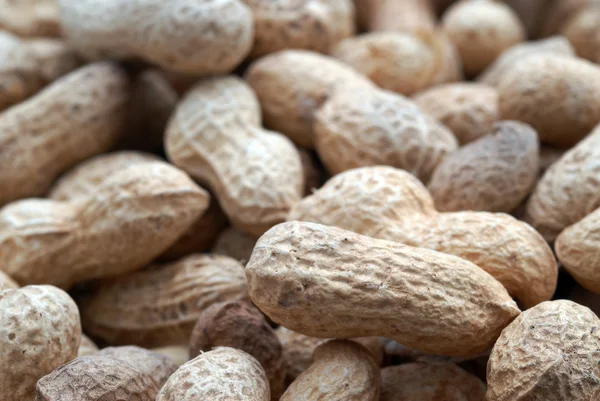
86,347
7,283
235,244
30,17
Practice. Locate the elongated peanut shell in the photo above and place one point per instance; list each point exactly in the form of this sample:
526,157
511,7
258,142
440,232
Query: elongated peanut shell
222,374
78,116
548,353
159,306
391,204
341,370
494,173
215,136
328,282
358,128
30,18
568,191
291,85
39,331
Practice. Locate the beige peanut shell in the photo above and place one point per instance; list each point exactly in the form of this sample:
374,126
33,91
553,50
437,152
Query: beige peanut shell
76,117
235,244
495,173
450,68
96,378
391,204
399,16
128,220
421,381
358,128
578,249
178,354
86,347
39,331
549,353
341,370
481,31
222,374
558,96
160,305
559,13
316,25
469,110
568,191
7,283
583,33
240,325
557,45
292,85
402,62
197,37
30,18
327,282
215,136
157,366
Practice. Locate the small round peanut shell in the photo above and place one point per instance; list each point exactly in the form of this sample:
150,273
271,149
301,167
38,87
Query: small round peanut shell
548,353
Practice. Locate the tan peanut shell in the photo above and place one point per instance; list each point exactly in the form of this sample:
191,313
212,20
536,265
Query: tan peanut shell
430,382
215,136
160,305
481,31
578,249
7,283
178,354
128,220
549,156
157,366
533,91
568,191
86,347
391,204
341,370
369,127
240,325
291,85
222,374
328,282
469,110
401,62
559,13
78,116
399,16
39,331
315,25
583,33
235,244
557,45
199,37
30,18
450,68
495,173
548,353
96,378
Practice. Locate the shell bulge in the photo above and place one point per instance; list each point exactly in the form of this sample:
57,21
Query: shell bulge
299,272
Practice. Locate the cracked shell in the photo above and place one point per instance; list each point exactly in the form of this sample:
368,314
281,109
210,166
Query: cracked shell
495,173
39,331
549,353
358,128
341,370
223,374
328,282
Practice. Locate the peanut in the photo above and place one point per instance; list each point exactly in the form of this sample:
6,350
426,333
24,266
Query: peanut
215,136
160,305
292,85
7,283
196,37
178,354
568,191
234,244
494,173
400,16
96,378
240,325
341,370
30,17
86,347
533,91
391,204
39,331
76,117
347,136
550,353
430,382
123,224
220,375
295,277
469,110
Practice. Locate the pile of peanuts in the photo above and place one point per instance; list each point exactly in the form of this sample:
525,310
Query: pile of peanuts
299,200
